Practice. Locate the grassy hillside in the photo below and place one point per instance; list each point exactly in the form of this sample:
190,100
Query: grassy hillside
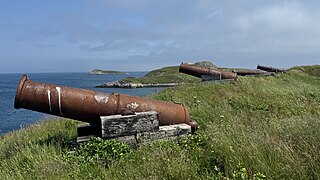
164,75
254,127
308,70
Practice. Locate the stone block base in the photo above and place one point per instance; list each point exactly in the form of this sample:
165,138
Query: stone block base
133,129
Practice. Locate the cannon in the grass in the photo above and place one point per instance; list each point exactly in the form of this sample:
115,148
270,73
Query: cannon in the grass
202,71
87,105
270,69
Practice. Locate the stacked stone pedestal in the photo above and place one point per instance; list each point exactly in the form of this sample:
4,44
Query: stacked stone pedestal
142,127
215,79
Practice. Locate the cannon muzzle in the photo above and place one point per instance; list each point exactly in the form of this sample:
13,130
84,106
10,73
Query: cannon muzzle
200,71
87,105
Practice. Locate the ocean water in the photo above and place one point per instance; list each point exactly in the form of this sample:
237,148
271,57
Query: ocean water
12,119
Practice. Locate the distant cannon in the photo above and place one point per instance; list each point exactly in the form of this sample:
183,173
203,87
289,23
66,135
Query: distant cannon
270,69
201,71
88,106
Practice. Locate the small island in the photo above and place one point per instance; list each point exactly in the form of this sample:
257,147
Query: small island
100,72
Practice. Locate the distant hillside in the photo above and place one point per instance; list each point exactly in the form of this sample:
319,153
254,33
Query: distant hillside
164,75
99,71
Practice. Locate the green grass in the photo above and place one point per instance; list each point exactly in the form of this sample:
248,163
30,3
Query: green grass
164,75
267,125
309,70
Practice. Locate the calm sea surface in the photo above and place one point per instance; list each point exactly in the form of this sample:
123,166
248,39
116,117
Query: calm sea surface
12,119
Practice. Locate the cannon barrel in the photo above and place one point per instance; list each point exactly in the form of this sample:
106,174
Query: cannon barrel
199,71
87,105
270,69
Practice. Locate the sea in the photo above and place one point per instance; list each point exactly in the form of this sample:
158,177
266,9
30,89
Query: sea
13,119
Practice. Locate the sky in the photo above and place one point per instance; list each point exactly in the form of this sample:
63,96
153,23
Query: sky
141,35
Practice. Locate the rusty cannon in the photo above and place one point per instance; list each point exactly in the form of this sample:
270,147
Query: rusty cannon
87,105
270,69
201,71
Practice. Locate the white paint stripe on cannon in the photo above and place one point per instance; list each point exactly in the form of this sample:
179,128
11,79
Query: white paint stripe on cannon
59,97
49,99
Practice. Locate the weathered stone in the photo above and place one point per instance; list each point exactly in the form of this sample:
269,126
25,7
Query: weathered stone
170,132
81,139
132,129
215,79
165,132
117,125
210,77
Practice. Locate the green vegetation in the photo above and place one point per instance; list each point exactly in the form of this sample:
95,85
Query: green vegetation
99,151
164,75
255,128
309,70
206,64
99,71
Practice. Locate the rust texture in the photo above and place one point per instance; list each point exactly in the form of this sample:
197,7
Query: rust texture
199,71
270,69
88,106
252,73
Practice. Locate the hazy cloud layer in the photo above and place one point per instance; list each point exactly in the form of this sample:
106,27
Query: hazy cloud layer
142,35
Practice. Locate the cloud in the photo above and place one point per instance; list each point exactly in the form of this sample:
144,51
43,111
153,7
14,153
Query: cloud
213,14
152,32
283,17
285,27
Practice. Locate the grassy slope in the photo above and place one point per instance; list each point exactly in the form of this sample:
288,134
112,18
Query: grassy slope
266,124
308,70
270,124
164,75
